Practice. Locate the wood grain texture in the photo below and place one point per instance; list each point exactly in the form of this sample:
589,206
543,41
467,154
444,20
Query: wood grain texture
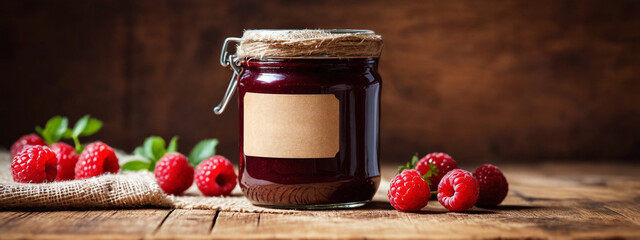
559,201
231,224
545,201
510,81
98,224
182,223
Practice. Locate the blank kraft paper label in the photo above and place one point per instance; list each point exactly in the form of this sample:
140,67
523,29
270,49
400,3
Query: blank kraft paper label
291,125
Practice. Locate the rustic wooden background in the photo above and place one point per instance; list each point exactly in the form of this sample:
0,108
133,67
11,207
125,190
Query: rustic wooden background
483,81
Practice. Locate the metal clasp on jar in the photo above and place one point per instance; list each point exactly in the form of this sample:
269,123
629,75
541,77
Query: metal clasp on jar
232,61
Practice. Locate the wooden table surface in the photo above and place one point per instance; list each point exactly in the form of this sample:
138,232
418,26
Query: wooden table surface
544,201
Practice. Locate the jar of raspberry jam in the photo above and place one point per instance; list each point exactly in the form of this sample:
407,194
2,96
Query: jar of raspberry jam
309,110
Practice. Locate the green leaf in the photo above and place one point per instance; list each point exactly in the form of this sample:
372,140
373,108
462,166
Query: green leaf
410,165
427,180
81,124
135,165
414,160
62,128
93,126
154,147
433,171
173,144
39,130
86,126
402,168
78,146
67,134
204,149
139,151
54,129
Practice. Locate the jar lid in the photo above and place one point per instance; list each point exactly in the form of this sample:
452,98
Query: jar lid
309,43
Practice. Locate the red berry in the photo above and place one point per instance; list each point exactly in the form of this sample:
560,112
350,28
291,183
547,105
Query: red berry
173,173
67,159
408,192
34,164
26,140
215,176
442,161
493,185
458,190
96,159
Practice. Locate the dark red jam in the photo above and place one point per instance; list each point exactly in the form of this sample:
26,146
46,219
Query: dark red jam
353,175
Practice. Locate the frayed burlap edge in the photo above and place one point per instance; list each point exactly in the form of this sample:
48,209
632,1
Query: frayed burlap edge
108,191
262,44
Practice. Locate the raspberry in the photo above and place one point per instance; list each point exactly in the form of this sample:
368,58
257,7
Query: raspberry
409,192
26,140
67,159
215,176
493,185
173,173
442,161
34,164
458,190
96,159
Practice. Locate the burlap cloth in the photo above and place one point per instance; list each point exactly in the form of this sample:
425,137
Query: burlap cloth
122,190
292,43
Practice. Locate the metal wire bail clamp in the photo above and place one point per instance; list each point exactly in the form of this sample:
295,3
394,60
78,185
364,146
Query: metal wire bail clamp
232,61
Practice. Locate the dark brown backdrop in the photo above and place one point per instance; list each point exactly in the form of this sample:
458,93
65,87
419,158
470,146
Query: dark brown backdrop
483,81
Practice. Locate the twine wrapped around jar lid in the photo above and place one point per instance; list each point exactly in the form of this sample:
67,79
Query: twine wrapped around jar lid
308,43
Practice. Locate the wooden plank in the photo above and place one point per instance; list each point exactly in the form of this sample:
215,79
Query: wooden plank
99,224
10,216
561,204
630,210
432,222
575,200
538,206
355,223
190,224
231,225
574,181
368,223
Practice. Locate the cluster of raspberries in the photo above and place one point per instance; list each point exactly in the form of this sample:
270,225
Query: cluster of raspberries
457,190
36,162
214,176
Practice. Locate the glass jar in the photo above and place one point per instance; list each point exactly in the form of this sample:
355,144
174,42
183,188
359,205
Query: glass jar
309,128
